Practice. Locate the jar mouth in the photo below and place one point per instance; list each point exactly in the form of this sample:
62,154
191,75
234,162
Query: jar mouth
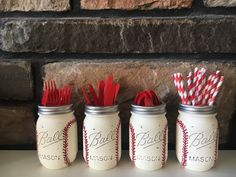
152,110
52,110
197,109
101,109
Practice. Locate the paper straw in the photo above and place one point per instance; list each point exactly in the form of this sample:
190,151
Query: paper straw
190,87
216,91
205,91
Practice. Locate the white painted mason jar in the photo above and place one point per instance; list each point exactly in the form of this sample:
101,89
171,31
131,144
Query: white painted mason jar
102,137
56,134
197,137
148,137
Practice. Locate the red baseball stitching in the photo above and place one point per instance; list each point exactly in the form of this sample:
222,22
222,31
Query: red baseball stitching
133,141
216,146
86,145
164,145
117,141
37,142
185,142
65,141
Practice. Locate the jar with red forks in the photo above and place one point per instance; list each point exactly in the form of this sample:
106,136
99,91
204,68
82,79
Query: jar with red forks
102,126
56,128
102,137
56,136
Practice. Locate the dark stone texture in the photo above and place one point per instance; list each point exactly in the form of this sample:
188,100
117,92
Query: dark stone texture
17,124
16,80
200,34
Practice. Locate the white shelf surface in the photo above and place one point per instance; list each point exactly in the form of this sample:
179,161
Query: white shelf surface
26,164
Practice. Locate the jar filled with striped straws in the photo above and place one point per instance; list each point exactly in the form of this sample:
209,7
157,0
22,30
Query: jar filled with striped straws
196,126
197,137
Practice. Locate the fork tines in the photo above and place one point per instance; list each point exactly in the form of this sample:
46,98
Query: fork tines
56,97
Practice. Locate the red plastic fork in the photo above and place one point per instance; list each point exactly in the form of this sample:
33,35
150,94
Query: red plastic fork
54,97
65,95
87,99
68,95
116,92
101,92
45,94
107,93
54,93
94,95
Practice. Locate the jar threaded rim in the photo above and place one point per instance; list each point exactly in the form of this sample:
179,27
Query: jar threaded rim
152,110
51,110
97,110
197,109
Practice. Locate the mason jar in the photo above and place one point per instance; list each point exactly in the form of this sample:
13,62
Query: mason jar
148,137
56,134
102,137
197,137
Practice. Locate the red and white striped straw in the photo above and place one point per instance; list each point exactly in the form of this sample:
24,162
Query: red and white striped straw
190,87
176,82
195,78
183,90
185,94
179,84
178,78
214,84
206,91
202,82
196,71
200,89
217,73
197,88
211,101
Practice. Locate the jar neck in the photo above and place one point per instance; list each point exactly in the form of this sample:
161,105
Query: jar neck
196,115
57,116
198,110
156,116
55,110
143,110
101,110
